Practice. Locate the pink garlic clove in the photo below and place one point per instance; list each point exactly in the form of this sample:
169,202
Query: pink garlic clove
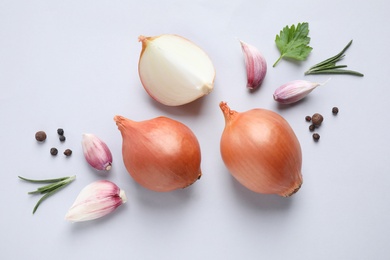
95,201
96,152
256,65
294,91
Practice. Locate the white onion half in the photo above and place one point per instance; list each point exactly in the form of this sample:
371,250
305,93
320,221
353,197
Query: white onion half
173,70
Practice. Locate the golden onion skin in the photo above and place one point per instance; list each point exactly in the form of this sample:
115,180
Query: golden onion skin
261,151
161,154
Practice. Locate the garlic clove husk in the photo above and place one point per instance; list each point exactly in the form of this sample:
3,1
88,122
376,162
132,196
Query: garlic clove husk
294,91
256,65
95,201
173,70
96,152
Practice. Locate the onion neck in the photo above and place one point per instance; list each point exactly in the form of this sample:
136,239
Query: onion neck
122,123
227,112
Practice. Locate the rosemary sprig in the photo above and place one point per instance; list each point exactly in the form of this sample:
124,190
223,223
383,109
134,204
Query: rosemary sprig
329,66
54,186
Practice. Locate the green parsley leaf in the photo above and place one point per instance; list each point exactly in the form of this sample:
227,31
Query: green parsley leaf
293,42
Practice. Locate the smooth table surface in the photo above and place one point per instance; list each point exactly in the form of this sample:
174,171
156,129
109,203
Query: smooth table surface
73,64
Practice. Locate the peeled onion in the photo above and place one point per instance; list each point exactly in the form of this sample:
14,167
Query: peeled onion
261,151
161,154
173,70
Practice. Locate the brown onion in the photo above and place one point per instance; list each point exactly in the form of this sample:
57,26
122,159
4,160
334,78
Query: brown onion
161,154
261,151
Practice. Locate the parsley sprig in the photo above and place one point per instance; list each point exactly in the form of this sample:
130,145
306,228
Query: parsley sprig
329,66
54,186
293,42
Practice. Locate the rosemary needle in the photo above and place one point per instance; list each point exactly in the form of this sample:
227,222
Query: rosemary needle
329,66
333,59
336,71
44,181
54,186
51,192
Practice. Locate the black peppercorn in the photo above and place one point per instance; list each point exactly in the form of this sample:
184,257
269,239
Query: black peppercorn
335,110
317,119
53,151
68,152
308,118
316,136
62,138
60,131
312,127
40,136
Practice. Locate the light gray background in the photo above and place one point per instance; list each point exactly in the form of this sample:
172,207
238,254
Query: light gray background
73,64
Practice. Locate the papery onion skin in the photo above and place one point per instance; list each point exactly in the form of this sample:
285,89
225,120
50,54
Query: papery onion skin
176,75
161,154
261,151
